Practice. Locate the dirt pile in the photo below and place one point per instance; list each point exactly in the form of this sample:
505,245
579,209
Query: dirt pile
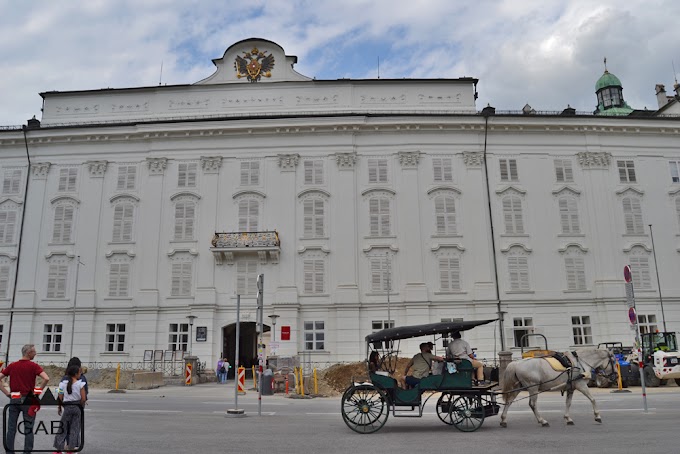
96,378
339,376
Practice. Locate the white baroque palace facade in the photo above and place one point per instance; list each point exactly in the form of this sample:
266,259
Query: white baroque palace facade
345,187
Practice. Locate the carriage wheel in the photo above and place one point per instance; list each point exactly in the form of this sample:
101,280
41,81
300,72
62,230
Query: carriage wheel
443,406
467,413
364,408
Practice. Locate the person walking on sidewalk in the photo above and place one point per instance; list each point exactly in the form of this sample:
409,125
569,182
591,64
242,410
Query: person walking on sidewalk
221,371
72,398
22,376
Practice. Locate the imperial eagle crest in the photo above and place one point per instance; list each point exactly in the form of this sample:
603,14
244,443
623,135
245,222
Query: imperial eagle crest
254,65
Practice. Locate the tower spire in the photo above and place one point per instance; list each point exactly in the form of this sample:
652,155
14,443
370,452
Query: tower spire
605,65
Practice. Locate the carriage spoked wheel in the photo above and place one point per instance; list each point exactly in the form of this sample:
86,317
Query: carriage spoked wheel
443,408
467,413
364,408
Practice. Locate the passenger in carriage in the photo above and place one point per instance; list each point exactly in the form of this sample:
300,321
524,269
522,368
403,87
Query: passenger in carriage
374,362
421,364
460,349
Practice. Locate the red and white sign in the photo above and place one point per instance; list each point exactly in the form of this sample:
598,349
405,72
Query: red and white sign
627,274
241,380
187,374
285,333
632,316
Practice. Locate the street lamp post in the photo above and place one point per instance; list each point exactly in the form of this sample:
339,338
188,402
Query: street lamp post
274,317
191,332
75,301
658,283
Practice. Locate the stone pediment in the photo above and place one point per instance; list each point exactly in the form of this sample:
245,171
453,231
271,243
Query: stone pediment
254,60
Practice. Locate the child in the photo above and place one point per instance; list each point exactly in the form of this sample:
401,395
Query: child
72,398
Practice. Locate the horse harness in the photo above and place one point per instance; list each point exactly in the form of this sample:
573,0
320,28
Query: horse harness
572,368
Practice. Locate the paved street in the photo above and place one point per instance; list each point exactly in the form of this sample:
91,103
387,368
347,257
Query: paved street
176,419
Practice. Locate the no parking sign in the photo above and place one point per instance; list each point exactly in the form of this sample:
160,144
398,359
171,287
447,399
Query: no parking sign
632,316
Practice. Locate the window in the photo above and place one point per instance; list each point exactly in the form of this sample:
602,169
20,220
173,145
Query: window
675,171
11,183
181,279
445,213
576,273
314,271
380,274
518,267
314,172
639,269
8,222
563,171
179,337
626,171
123,218
569,215
63,223
126,178
115,337
186,175
248,215
379,213
647,323
4,282
246,278
56,281
449,273
377,170
583,333
442,169
119,277
185,212
67,179
52,338
512,213
314,335
250,173
508,169
632,214
379,325
522,326
313,212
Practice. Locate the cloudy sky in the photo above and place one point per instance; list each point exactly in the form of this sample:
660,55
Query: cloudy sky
547,53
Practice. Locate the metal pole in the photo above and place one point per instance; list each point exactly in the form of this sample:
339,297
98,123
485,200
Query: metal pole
389,270
658,283
236,353
260,316
75,298
638,340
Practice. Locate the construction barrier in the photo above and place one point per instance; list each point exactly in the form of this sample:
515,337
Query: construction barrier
254,378
187,374
316,383
241,380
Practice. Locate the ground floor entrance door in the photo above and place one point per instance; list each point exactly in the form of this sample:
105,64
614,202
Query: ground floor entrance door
247,346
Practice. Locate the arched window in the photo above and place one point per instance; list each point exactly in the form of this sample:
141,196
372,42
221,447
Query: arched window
62,231
445,214
569,215
248,215
379,214
512,213
313,222
185,218
632,213
123,219
8,222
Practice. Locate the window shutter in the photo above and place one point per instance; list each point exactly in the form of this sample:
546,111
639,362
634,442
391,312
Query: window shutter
113,279
191,175
450,212
575,225
437,165
559,171
319,272
58,224
318,172
186,279
447,169
189,218
623,177
308,218
6,184
309,276
319,218
123,282
243,216
504,169
68,224
63,180
568,171
439,209
182,175
374,205
571,273
128,221
372,171
179,220
523,268
507,215
444,274
376,274
454,266
4,282
122,177
72,175
385,227
176,279
52,282
253,215
382,170
118,216
16,181
245,173
255,173
564,215
309,172
513,272
513,170
517,211
638,227
131,176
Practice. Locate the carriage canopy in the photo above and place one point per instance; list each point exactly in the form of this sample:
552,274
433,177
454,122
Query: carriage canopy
407,332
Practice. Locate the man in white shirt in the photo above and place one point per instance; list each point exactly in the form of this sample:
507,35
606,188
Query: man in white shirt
460,349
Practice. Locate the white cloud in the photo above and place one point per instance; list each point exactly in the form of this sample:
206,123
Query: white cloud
547,53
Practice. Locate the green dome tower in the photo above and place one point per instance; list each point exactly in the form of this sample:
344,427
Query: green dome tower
610,95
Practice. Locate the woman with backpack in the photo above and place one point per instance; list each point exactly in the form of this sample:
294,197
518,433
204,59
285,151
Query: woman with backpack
221,371
71,398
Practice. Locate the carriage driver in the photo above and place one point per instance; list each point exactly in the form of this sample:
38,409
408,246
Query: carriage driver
421,363
460,349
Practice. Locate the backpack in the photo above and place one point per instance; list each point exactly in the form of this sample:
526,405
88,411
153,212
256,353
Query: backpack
223,370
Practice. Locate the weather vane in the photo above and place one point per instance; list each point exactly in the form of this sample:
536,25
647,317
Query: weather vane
605,64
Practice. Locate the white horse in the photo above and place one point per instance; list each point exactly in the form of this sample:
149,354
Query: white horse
536,375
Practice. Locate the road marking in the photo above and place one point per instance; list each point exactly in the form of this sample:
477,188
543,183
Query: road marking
105,400
244,403
151,411
333,414
264,413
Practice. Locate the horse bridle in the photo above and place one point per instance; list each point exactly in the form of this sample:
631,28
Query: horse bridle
612,376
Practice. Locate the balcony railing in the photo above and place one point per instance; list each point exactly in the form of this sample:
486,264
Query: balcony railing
226,244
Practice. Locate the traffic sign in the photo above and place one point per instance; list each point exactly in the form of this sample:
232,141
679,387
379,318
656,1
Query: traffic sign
627,274
632,316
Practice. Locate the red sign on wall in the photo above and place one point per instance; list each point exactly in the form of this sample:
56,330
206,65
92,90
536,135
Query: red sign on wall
285,333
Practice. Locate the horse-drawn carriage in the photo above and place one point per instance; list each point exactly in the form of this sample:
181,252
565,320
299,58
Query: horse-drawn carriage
366,406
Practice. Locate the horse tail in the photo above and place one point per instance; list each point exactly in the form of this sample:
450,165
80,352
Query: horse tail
510,380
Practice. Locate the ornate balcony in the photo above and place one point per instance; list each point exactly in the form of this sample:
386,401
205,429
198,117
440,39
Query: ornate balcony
225,245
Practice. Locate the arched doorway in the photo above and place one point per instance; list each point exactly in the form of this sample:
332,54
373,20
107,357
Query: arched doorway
247,345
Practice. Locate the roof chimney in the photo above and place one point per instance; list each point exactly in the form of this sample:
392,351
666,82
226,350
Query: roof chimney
661,97
488,111
33,123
